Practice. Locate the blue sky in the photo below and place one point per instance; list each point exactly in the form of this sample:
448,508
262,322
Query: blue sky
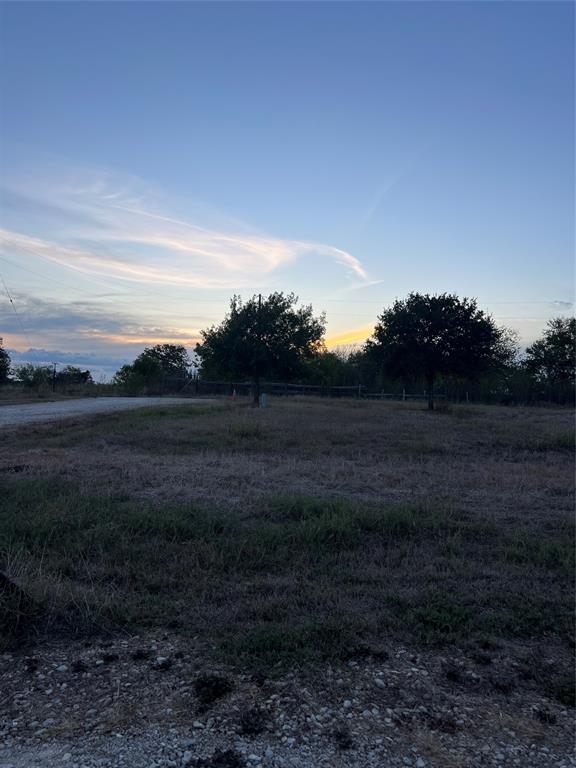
157,157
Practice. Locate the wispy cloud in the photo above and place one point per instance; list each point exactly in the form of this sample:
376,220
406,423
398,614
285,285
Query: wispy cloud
91,261
139,335
79,322
377,200
110,227
385,187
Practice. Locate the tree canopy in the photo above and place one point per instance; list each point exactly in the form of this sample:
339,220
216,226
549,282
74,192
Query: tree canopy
33,376
4,364
551,359
431,335
264,337
73,375
173,359
40,376
154,367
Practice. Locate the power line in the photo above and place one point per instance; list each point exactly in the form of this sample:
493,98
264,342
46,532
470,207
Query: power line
11,300
30,251
50,279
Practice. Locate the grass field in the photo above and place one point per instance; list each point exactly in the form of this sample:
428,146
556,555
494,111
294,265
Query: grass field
312,529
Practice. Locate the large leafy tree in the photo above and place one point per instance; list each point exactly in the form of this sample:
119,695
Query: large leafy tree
551,359
153,367
432,335
173,359
262,338
4,364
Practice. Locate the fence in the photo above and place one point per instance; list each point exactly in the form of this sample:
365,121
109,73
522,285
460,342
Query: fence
400,396
283,389
199,387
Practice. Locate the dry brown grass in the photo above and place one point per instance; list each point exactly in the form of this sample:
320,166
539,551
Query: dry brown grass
310,528
499,461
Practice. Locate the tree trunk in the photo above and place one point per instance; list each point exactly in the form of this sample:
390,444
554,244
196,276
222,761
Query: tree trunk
430,389
256,391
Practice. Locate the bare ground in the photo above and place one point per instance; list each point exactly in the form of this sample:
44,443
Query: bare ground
134,702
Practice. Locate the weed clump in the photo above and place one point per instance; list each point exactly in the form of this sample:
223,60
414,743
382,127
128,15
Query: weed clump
228,758
18,611
544,715
564,691
253,721
343,737
209,688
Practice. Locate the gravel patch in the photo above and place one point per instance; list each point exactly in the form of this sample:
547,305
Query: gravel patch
142,702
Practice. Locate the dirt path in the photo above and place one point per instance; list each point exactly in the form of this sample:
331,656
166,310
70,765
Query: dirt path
11,415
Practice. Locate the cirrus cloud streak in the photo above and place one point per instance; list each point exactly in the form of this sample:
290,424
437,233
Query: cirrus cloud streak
104,228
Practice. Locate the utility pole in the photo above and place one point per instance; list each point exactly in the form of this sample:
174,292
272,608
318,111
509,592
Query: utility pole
54,376
258,352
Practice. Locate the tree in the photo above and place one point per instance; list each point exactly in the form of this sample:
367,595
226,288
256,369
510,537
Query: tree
551,359
428,336
154,367
143,373
261,338
4,364
71,375
33,376
172,358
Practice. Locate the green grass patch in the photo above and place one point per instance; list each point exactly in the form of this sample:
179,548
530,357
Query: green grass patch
289,578
285,644
440,619
516,613
529,548
564,442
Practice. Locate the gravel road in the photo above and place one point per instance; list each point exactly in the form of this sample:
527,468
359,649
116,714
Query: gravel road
11,415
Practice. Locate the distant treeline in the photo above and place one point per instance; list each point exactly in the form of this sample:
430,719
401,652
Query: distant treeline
43,378
439,345
351,373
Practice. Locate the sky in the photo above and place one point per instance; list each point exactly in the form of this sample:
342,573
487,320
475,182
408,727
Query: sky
158,157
